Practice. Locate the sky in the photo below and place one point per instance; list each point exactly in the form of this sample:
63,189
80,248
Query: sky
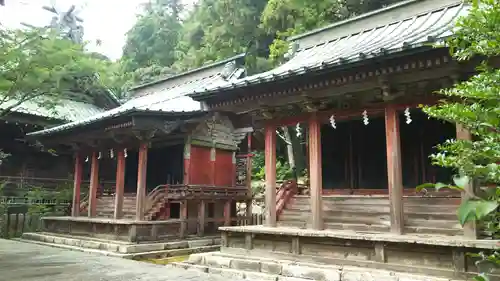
106,20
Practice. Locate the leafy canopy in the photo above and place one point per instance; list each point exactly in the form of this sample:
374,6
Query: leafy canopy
475,105
38,66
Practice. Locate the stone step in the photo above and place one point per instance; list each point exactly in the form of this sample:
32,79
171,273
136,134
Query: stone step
125,249
257,268
172,252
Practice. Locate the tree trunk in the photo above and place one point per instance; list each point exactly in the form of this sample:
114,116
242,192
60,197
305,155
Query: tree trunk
289,150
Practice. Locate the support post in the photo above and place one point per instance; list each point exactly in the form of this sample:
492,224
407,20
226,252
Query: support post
248,180
201,218
75,210
141,181
315,171
394,170
167,211
94,185
270,163
184,217
227,213
470,228
120,183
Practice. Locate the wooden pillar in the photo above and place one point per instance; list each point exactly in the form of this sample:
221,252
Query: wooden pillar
75,210
270,162
315,171
167,211
120,183
213,155
394,169
141,181
201,217
94,185
248,179
470,228
227,213
184,218
187,161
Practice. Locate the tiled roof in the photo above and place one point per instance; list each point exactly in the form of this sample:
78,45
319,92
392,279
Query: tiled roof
408,25
67,110
159,99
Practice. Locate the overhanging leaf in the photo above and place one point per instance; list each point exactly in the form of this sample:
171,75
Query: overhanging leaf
466,212
461,181
475,210
484,208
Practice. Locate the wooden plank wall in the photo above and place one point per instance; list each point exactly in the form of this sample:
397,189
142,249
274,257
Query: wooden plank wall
432,215
200,161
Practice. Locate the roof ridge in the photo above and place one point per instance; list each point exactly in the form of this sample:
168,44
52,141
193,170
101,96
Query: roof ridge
161,80
175,86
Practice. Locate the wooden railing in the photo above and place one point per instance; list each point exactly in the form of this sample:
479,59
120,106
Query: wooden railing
286,191
159,196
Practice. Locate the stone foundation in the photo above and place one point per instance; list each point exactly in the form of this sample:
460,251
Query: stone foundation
111,229
437,257
125,249
235,266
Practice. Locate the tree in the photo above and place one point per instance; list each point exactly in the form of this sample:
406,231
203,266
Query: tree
154,37
475,105
284,18
38,66
218,29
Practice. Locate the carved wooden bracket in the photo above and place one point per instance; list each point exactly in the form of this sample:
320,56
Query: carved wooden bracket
145,135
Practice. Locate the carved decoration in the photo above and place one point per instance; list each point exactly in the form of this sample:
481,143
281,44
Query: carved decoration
170,126
241,170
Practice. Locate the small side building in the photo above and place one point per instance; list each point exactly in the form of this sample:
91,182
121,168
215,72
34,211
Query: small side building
175,163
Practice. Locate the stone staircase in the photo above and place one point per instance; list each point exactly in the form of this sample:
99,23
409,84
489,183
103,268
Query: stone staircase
157,250
422,215
236,267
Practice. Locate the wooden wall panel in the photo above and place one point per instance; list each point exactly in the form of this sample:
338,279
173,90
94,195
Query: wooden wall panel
224,168
200,161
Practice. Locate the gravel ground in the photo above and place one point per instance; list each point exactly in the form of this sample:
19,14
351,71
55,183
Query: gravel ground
29,262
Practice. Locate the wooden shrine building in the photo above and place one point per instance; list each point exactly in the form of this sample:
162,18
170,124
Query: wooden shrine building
175,162
27,164
354,88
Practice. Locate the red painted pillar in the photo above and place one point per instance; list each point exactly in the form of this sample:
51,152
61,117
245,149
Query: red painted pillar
75,211
141,181
94,185
315,171
270,162
394,170
120,183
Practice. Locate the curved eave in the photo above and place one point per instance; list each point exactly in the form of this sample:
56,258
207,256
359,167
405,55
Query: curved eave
324,67
69,128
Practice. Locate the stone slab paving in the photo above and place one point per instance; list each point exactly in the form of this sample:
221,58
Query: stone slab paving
29,262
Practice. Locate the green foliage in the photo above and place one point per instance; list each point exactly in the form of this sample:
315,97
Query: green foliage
160,43
37,65
475,104
283,170
284,18
49,202
218,29
154,37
